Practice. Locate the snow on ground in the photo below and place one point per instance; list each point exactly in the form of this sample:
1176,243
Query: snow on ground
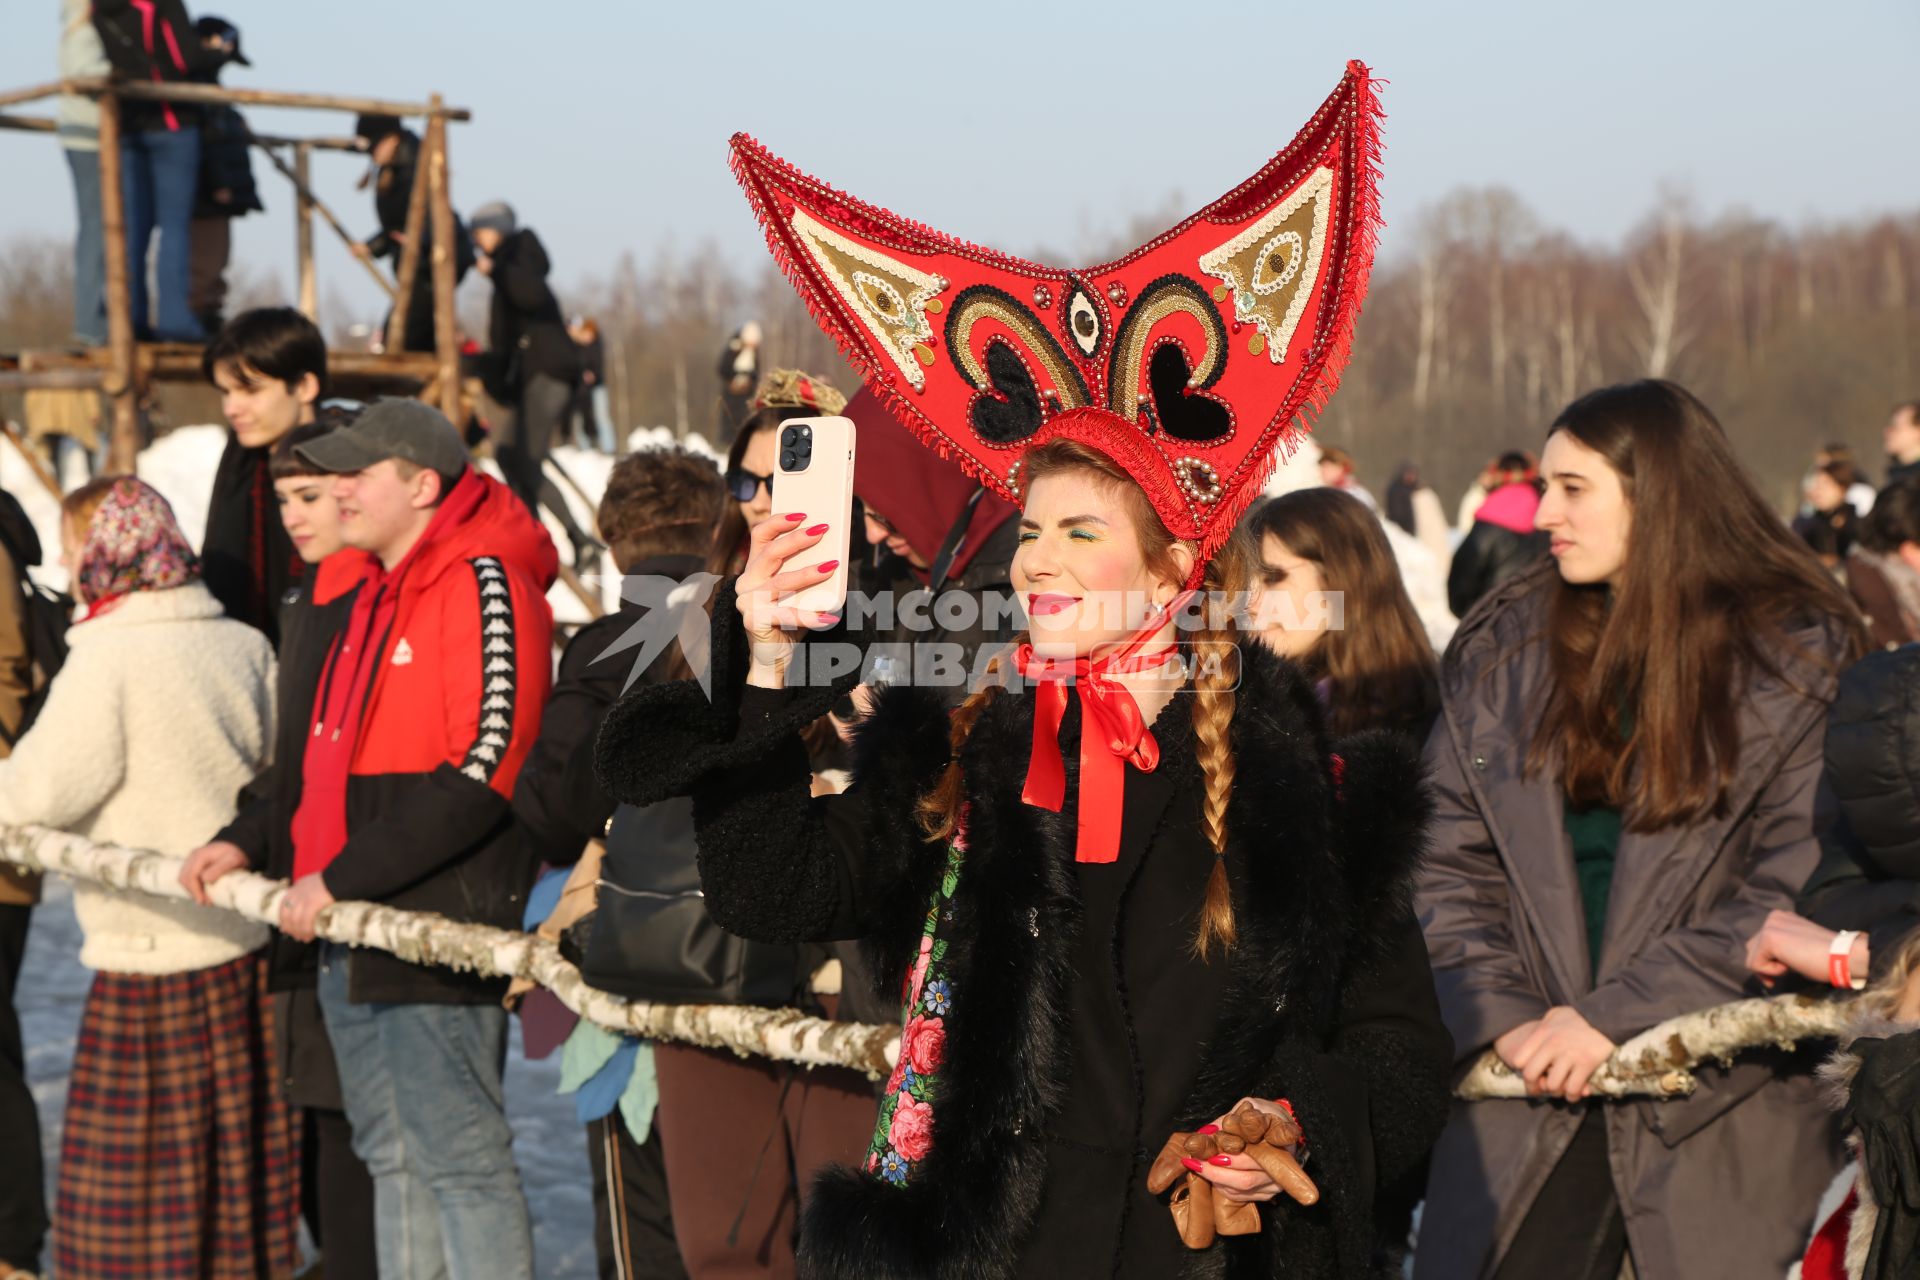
181,465
549,1146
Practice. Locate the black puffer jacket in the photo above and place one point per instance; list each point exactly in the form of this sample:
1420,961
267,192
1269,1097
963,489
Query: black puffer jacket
1869,873
1487,557
226,164
525,329
558,803
392,193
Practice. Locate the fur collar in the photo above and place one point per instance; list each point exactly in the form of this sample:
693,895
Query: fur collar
1836,1076
1281,863
1313,881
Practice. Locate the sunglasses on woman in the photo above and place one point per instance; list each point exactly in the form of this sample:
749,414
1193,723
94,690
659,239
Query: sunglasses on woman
744,484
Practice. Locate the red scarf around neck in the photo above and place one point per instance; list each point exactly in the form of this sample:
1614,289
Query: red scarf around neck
1112,734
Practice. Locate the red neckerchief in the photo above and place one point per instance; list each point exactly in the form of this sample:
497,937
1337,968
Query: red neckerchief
102,607
1112,735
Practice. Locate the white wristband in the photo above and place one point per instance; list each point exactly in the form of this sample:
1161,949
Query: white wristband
1842,950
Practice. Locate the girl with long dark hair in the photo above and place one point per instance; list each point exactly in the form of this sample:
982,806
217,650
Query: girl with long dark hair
1311,551
1626,761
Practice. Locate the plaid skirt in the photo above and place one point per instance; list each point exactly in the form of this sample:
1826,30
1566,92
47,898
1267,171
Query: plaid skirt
178,1161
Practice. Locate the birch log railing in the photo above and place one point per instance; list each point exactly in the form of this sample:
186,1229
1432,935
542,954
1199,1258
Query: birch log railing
786,1035
1658,1063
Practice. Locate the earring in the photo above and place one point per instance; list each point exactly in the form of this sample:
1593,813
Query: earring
1156,608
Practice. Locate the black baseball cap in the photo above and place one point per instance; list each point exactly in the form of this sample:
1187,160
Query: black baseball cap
212,26
391,427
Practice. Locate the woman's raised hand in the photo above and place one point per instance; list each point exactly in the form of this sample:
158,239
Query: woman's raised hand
764,586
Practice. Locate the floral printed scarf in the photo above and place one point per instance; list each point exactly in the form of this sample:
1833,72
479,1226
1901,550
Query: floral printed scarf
132,544
903,1136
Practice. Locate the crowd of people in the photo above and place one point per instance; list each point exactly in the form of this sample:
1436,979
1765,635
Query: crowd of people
350,686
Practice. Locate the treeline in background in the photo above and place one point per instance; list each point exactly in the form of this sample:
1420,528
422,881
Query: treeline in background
1481,323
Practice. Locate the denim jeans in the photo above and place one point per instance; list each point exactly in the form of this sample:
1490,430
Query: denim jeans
160,176
521,442
89,251
422,1088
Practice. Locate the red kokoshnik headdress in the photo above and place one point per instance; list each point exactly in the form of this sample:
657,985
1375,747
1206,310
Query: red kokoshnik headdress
1188,361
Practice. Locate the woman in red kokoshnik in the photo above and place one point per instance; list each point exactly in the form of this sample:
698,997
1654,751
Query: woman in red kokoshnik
1124,900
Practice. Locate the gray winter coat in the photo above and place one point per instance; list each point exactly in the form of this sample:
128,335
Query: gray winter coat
1722,1183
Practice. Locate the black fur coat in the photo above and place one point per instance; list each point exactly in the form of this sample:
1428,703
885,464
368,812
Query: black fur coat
1328,999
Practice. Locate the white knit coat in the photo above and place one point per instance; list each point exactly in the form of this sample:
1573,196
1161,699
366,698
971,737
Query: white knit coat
161,713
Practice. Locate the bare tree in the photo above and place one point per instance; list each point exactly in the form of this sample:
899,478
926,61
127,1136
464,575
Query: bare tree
1656,269
1480,325
1431,272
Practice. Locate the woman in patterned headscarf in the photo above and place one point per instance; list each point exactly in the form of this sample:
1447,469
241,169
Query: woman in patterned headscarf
176,1158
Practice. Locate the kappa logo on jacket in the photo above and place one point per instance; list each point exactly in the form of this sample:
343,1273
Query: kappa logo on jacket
497,671
402,653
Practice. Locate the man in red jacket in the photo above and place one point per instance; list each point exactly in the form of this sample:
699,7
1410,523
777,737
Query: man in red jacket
427,706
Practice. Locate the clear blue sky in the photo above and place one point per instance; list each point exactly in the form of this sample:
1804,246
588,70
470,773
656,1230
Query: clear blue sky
1020,124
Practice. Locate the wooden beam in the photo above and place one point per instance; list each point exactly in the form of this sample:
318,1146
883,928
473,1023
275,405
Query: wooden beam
32,94
581,593
409,251
319,206
445,334
179,363
47,124
303,232
52,379
122,384
572,484
48,480
352,145
171,361
179,91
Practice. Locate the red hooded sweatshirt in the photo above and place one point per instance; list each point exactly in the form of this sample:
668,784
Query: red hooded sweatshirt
432,692
1512,507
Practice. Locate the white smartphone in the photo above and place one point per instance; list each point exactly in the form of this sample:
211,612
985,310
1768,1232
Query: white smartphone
815,475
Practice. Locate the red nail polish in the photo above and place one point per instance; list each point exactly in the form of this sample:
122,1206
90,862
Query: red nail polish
1193,1166
829,566
1208,1128
1225,1162
796,517
817,529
